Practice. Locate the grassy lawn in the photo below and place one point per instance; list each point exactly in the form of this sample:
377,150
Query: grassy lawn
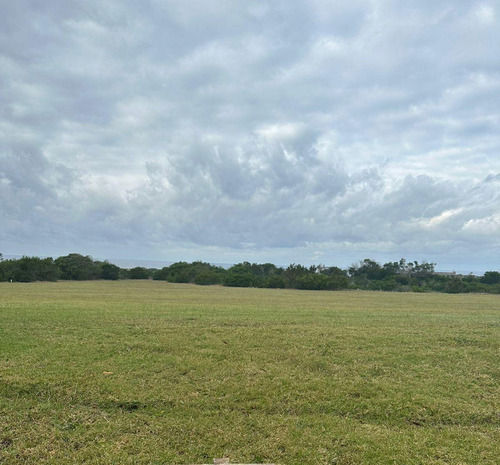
146,372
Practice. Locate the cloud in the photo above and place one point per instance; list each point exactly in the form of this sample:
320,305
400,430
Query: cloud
250,127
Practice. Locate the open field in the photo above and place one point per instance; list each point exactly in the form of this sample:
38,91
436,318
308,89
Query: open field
156,373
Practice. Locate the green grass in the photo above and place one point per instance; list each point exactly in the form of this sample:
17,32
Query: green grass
154,373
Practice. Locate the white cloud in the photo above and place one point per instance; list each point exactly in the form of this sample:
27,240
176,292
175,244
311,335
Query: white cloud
485,13
443,217
281,132
258,128
483,226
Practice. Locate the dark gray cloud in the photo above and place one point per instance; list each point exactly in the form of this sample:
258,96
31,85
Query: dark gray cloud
277,131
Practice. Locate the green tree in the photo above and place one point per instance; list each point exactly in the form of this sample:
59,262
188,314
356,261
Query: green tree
110,271
207,277
179,272
455,286
183,272
367,269
138,272
28,269
276,282
312,281
293,273
337,282
242,279
161,275
490,277
78,267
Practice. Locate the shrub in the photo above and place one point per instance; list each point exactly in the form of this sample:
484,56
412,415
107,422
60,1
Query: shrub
110,271
78,267
138,273
161,275
207,277
276,282
313,282
241,280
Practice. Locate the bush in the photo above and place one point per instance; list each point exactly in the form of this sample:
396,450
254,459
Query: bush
455,286
28,269
276,282
337,282
312,282
207,277
78,267
491,277
242,280
183,272
161,275
110,271
138,273
389,285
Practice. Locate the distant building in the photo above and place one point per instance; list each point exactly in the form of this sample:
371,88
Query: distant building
449,274
446,273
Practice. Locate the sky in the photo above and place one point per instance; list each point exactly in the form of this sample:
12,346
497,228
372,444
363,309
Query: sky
297,131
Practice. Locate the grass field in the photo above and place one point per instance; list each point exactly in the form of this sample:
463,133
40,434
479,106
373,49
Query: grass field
148,372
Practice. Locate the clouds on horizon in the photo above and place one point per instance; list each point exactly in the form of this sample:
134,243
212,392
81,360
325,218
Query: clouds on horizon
247,128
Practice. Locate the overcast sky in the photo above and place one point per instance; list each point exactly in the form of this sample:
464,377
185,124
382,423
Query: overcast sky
284,131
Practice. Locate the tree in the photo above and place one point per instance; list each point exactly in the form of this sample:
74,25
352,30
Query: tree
29,269
261,270
110,271
337,282
179,273
424,270
292,274
78,267
276,282
367,269
312,281
161,275
331,270
207,277
138,272
455,286
244,279
490,277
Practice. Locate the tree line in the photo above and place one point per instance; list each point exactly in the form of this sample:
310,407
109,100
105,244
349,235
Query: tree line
397,276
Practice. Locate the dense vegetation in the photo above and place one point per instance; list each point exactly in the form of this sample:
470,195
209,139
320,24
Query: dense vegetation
368,274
